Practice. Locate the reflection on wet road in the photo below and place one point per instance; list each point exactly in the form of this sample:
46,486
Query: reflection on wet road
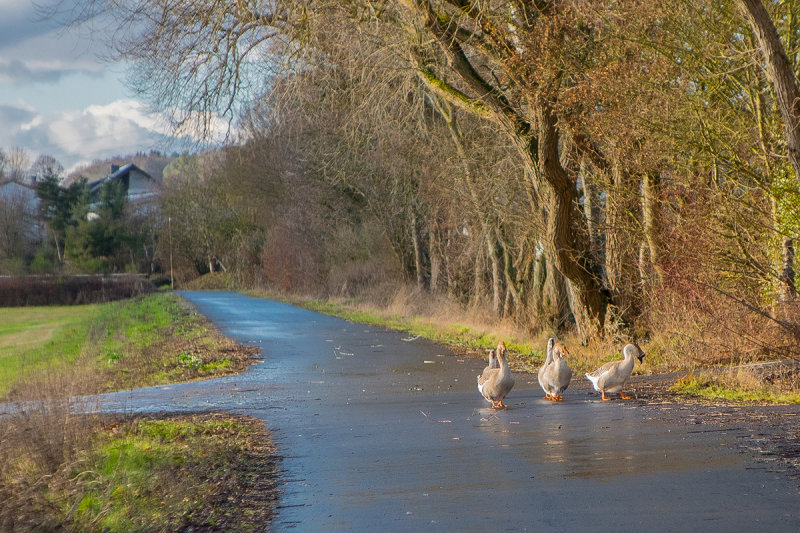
380,432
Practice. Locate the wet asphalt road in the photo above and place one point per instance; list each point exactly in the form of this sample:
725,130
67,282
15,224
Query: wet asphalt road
380,432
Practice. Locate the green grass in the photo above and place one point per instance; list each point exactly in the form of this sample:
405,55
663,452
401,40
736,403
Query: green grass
706,387
107,340
37,338
150,475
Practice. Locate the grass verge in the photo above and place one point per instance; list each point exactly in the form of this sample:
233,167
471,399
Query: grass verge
208,472
736,387
82,473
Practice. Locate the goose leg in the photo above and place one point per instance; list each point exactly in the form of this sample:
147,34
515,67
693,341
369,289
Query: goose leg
624,396
603,393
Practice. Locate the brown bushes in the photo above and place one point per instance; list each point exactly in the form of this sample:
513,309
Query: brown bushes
70,290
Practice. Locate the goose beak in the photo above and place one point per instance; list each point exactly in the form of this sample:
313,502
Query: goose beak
640,356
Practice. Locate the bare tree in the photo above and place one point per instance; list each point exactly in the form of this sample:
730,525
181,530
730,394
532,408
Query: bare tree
46,166
18,162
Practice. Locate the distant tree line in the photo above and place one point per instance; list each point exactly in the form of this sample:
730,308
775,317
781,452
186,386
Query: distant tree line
614,167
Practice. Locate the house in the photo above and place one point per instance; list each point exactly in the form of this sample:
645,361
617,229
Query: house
141,189
138,184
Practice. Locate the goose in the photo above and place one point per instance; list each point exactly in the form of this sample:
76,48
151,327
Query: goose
495,383
493,360
548,359
492,364
612,376
557,375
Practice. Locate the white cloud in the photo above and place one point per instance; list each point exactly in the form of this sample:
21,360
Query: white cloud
99,131
122,127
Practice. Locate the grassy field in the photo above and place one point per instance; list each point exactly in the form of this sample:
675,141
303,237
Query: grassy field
144,341
95,473
34,338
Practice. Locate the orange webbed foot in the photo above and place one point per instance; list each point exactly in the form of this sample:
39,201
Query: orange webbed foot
605,399
624,396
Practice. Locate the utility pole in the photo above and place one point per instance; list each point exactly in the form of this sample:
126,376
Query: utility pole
171,276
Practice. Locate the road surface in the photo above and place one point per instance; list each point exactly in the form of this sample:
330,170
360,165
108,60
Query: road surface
378,431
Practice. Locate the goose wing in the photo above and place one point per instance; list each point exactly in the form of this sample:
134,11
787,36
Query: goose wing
611,366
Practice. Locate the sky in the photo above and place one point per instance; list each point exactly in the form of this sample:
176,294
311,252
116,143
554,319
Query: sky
57,98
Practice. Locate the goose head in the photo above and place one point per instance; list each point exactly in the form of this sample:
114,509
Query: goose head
560,351
501,351
633,350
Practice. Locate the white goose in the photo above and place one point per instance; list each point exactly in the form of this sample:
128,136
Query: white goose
558,374
495,383
548,359
612,376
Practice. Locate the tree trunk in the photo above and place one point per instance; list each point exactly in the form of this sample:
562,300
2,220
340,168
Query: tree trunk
788,290
537,286
557,299
592,210
478,277
780,74
565,244
650,222
497,276
418,259
436,261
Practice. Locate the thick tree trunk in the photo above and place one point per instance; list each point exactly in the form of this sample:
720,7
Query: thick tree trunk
568,247
557,298
780,74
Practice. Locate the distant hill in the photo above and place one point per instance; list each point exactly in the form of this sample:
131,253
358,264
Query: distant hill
153,163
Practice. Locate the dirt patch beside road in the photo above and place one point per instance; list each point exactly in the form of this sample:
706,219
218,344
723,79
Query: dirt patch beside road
770,432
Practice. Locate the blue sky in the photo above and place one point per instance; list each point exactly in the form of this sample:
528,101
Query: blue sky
57,98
